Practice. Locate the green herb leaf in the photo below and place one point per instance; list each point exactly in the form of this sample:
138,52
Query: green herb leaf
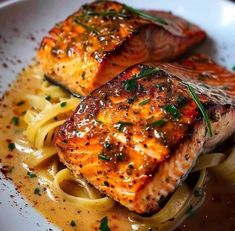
202,109
104,225
146,16
48,98
157,123
233,68
11,146
145,101
63,104
37,191
15,120
85,26
121,125
31,175
172,110
102,156
72,223
132,83
20,103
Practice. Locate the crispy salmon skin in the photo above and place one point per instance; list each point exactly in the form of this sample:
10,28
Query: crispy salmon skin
103,38
136,137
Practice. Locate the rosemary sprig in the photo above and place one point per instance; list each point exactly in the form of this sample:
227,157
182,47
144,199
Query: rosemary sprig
132,84
202,109
146,15
107,14
85,26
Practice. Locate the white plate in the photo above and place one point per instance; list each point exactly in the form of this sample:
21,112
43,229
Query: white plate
22,25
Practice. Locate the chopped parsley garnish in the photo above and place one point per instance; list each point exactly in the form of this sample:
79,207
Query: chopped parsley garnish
15,120
72,223
63,104
37,191
172,110
20,103
157,123
85,26
121,125
11,146
146,16
132,84
48,98
104,225
202,109
145,101
103,157
31,175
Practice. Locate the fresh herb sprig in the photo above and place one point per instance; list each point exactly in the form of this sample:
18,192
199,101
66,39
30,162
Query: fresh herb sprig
202,109
132,84
146,15
107,14
85,26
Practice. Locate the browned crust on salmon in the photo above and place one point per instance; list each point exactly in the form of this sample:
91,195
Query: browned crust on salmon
82,59
136,146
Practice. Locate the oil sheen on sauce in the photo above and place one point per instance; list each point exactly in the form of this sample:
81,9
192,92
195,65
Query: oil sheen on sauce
217,212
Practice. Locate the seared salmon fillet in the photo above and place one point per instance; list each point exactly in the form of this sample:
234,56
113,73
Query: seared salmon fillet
103,38
136,137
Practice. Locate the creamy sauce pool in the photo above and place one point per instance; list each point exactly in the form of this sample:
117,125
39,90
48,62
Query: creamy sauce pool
217,212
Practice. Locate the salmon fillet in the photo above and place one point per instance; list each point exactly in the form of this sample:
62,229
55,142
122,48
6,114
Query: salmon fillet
136,137
103,38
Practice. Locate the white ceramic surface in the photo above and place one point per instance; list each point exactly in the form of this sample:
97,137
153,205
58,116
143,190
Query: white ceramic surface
22,25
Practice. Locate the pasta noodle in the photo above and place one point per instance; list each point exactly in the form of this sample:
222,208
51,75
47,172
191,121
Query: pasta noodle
93,199
50,108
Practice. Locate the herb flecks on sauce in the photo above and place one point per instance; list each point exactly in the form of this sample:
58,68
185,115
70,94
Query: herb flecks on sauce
63,104
15,120
11,146
31,175
104,225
